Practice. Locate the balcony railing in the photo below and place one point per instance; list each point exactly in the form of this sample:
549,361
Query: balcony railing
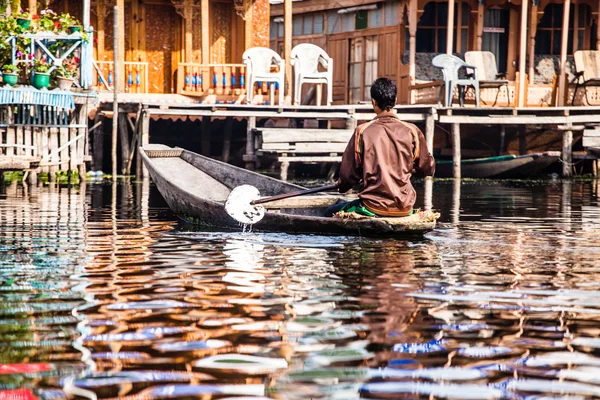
209,79
136,76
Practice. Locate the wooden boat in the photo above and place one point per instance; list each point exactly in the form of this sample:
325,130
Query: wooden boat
509,166
196,188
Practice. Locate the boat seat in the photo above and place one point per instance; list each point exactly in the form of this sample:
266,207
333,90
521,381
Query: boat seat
302,145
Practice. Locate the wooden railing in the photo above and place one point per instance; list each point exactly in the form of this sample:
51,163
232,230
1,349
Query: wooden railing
136,76
205,79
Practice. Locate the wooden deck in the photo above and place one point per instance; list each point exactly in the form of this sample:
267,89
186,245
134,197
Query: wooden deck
564,119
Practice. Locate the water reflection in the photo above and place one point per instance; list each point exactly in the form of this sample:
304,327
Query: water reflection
106,295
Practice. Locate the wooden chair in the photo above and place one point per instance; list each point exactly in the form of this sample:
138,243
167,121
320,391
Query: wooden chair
306,59
258,61
587,64
450,66
485,61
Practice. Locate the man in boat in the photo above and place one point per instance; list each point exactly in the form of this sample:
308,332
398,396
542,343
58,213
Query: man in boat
380,159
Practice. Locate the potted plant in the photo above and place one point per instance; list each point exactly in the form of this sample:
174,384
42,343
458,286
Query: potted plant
69,22
23,19
66,73
10,74
41,76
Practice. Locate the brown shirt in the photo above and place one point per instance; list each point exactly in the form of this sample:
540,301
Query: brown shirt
383,154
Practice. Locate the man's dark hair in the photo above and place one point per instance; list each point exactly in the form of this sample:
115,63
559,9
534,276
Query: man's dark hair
383,91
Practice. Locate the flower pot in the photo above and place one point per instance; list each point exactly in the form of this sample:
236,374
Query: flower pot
10,79
40,80
73,29
64,83
23,22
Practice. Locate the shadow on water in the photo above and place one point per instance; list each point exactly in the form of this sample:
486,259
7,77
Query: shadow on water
105,294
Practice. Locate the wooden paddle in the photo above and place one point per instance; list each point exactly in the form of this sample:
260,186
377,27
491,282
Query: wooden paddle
294,194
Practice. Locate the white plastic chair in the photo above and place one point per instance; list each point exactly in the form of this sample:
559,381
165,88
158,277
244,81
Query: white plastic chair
306,58
258,61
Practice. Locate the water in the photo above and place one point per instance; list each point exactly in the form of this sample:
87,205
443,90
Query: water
104,294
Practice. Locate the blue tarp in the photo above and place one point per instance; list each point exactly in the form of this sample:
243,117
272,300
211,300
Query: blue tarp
31,95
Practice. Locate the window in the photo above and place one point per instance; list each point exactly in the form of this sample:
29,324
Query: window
433,26
276,28
310,24
549,31
374,16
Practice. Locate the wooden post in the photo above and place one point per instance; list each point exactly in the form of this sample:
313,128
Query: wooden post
144,140
205,138
522,139
532,32
116,75
227,138
86,14
456,202
502,139
248,27
598,28
523,53
480,14
412,48
511,67
456,156
101,14
119,33
98,143
287,46
562,78
32,8
124,135
430,129
249,157
567,159
450,29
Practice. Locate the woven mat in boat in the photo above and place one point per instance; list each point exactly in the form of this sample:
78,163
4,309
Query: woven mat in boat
418,216
164,153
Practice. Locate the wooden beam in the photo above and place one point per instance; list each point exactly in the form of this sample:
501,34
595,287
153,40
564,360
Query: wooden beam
567,153
450,28
249,24
456,156
562,78
101,14
205,28
188,15
287,46
32,8
86,13
523,53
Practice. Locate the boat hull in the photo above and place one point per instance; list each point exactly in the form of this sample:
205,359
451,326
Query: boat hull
194,205
515,167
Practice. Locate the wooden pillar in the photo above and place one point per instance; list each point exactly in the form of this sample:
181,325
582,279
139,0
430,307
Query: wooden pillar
532,32
144,140
98,143
287,46
567,159
522,139
204,15
522,53
121,39
511,67
86,13
562,78
101,14
502,139
227,138
480,15
249,157
455,216
412,48
450,29
249,31
456,156
32,7
430,130
575,25
205,138
124,140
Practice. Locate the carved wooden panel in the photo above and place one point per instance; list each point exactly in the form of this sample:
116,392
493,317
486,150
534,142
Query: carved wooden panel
221,32
197,36
161,38
260,23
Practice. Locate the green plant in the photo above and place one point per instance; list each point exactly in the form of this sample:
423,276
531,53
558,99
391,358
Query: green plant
23,14
66,20
69,68
41,66
10,69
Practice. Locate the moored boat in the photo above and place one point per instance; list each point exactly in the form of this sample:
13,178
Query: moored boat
507,166
196,187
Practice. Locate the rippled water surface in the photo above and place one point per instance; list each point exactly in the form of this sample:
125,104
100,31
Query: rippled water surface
104,294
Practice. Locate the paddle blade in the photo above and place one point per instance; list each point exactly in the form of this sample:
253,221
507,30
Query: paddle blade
239,208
